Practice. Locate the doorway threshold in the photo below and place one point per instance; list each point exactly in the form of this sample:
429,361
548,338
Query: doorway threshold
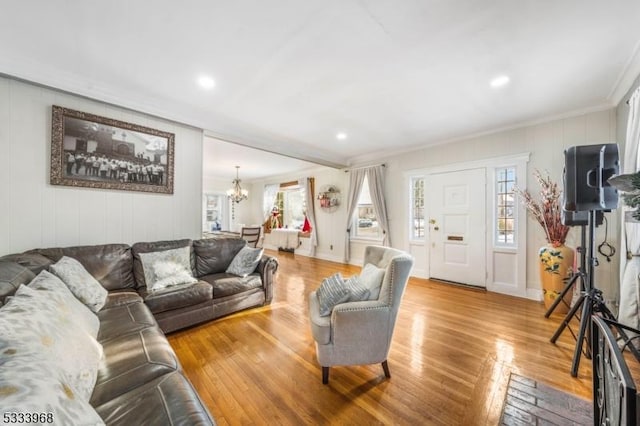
463,285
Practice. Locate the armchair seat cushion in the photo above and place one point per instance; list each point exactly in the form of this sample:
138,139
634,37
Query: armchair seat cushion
177,297
228,284
320,325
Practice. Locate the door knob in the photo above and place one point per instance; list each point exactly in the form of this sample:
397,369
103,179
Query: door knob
436,228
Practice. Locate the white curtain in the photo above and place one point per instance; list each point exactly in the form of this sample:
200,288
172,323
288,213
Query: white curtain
306,183
269,200
375,177
356,177
630,242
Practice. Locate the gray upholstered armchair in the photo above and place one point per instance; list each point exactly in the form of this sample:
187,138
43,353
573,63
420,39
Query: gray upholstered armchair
358,333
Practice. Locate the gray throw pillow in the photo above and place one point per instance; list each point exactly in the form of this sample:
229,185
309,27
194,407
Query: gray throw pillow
357,292
371,277
332,292
245,262
81,283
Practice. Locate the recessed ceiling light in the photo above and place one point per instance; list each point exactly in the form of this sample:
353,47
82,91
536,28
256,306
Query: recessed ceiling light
341,136
206,82
500,81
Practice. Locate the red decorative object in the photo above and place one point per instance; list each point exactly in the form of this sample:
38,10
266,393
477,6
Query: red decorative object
307,226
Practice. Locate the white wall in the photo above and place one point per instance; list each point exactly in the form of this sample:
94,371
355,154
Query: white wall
330,225
34,213
546,143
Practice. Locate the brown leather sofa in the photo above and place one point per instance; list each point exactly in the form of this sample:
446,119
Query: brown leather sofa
140,380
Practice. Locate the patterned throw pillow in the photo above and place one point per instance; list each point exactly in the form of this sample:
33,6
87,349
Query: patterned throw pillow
32,385
59,294
31,324
371,277
357,292
245,262
332,292
167,268
81,283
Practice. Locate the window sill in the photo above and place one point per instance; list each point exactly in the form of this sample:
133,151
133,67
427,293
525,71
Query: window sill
366,240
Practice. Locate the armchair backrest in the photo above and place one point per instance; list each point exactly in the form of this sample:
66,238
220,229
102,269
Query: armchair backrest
397,265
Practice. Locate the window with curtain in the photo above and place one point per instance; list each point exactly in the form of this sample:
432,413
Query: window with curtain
290,201
505,226
417,208
365,221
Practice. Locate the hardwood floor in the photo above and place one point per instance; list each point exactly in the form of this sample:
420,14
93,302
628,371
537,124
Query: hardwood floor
450,360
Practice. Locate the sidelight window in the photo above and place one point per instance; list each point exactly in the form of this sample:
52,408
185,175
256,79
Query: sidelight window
505,207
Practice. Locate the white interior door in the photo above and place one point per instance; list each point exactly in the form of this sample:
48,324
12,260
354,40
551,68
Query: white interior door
457,230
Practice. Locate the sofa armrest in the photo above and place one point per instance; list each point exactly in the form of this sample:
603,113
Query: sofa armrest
267,269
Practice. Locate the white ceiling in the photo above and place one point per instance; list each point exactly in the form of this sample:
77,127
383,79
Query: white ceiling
220,159
291,74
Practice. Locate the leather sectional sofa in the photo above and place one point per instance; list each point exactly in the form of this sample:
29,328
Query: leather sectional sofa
139,378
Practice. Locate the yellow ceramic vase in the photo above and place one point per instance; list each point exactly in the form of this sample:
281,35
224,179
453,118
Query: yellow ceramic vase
556,269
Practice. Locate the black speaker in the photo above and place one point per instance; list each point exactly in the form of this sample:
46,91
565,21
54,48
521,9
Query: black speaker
586,171
569,218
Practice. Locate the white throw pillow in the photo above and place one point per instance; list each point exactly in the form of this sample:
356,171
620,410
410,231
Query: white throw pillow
371,277
167,268
245,261
31,324
32,385
81,283
57,292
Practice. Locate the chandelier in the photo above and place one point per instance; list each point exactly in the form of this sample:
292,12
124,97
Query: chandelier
236,193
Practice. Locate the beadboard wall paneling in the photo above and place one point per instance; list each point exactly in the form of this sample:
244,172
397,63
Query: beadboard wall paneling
37,214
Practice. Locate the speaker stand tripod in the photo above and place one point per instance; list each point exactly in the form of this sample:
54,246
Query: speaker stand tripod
577,275
590,301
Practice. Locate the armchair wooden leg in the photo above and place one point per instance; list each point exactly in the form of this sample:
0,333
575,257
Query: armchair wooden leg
385,367
325,375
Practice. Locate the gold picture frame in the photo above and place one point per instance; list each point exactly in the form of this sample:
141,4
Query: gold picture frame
91,151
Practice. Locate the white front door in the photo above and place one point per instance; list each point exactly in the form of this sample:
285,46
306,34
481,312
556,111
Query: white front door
457,230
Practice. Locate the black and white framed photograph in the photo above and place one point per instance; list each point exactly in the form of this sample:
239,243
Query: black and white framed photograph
98,152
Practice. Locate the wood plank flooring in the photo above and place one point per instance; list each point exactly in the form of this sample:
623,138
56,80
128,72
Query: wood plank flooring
452,353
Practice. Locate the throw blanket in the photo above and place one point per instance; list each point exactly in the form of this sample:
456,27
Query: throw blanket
285,238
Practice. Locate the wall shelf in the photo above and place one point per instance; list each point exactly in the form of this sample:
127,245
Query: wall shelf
329,198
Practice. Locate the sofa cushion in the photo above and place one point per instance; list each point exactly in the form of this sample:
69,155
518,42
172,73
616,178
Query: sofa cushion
149,247
31,384
213,255
119,298
245,261
177,297
81,283
167,400
132,360
32,261
118,320
11,276
32,323
228,284
167,268
110,264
